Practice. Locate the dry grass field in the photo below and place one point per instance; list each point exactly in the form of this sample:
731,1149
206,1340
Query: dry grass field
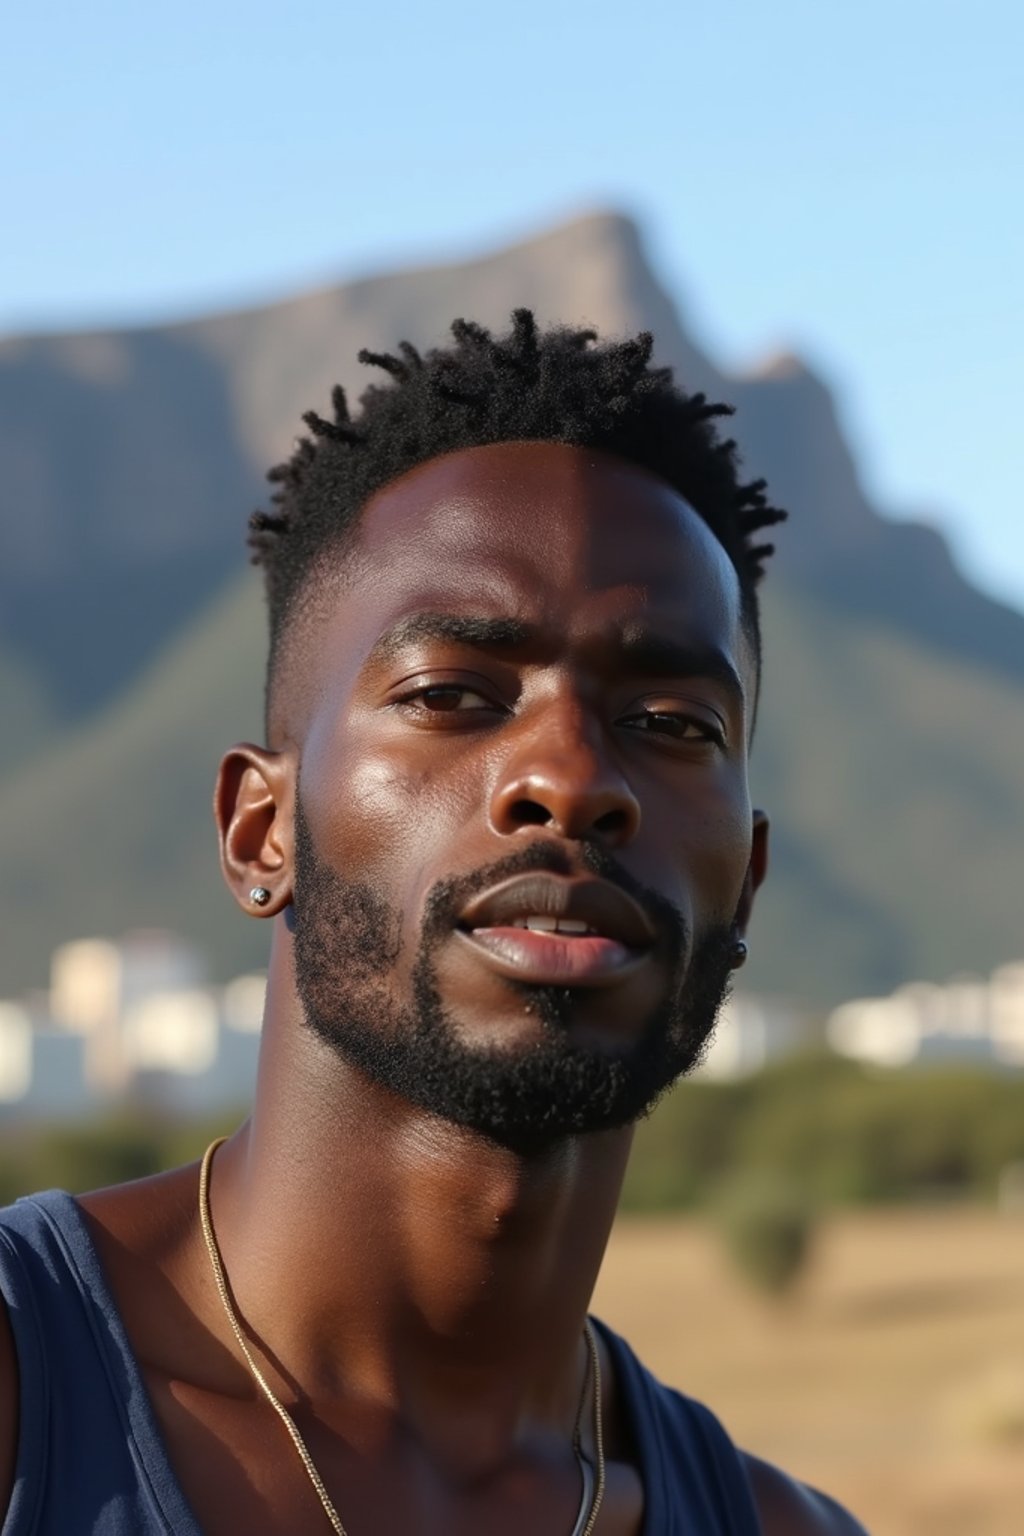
893,1377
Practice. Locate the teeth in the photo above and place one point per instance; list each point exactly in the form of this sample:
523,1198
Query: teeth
538,922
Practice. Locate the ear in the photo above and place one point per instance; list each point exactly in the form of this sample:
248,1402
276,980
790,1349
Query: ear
253,804
757,868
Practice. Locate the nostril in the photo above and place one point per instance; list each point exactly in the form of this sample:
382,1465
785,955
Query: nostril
612,822
528,813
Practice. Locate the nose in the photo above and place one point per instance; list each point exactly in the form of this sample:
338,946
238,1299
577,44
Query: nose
563,777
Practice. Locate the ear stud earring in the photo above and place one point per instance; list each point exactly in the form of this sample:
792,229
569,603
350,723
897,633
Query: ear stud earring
259,895
738,954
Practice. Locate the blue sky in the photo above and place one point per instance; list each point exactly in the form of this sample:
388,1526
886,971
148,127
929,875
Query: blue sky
841,180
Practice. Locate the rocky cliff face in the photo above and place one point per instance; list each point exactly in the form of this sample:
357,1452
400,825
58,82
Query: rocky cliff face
131,459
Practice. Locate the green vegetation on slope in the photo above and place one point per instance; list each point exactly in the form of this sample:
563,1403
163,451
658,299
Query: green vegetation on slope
892,775
113,829
811,1132
832,1133
29,719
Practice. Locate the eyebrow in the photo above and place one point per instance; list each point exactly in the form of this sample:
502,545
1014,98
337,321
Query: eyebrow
481,634
643,650
658,656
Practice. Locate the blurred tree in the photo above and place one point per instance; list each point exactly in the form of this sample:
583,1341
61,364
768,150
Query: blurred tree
767,1225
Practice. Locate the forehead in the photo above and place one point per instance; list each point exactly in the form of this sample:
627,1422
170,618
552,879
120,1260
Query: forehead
573,542
542,531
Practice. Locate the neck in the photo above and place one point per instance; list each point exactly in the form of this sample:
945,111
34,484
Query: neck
386,1255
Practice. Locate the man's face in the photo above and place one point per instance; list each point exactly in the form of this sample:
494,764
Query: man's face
523,834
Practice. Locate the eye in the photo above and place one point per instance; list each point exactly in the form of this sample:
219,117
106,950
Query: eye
439,699
675,726
445,697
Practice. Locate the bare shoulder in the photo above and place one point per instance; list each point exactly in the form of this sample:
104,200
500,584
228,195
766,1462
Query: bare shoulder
145,1216
789,1508
9,1395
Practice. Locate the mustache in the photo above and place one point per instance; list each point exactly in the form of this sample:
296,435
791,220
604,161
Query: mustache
447,899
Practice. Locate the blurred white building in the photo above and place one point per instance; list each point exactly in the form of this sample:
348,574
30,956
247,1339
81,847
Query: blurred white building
135,1018
751,1031
132,1017
15,1052
970,1020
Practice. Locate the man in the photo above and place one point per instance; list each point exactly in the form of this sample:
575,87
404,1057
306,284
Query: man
503,830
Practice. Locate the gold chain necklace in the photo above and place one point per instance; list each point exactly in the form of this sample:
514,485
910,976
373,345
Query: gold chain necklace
587,1518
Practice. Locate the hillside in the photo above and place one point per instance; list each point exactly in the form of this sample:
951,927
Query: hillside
892,775
113,828
897,825
131,645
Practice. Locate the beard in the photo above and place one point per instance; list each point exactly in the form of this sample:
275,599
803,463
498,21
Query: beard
526,1097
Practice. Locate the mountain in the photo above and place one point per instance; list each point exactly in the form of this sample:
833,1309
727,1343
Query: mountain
132,458
30,719
899,574
113,828
123,484
131,644
891,771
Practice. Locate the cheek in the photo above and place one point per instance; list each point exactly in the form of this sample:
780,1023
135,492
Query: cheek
382,814
710,837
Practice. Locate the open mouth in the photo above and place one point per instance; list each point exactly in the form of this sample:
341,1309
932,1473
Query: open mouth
550,931
539,922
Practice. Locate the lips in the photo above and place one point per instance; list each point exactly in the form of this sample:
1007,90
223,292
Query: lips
602,907
548,930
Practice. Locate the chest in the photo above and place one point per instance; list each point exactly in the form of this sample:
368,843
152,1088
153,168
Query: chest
239,1471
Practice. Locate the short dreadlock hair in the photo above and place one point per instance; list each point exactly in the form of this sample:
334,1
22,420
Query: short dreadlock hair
552,386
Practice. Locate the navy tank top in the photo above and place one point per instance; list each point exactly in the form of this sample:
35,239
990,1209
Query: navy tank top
91,1460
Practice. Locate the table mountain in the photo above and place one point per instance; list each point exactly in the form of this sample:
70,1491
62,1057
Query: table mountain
131,642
